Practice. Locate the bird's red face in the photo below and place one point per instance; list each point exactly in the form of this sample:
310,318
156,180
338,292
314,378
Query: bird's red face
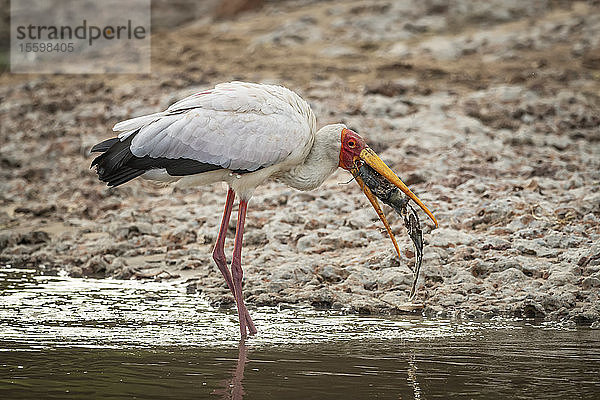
352,146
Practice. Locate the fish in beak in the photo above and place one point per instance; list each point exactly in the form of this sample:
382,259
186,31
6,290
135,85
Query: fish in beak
376,187
370,158
384,182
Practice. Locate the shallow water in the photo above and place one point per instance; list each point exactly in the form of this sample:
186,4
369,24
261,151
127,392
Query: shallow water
85,338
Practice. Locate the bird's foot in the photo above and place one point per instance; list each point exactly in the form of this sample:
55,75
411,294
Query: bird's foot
246,325
250,324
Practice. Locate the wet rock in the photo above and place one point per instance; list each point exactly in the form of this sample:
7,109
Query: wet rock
291,274
394,278
360,277
396,300
267,299
35,237
6,240
529,309
584,317
331,274
97,265
76,272
364,306
192,288
321,299
181,235
451,300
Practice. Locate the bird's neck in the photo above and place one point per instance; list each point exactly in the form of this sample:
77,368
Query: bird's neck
321,162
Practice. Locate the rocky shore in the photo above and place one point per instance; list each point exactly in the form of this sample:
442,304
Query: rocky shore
490,111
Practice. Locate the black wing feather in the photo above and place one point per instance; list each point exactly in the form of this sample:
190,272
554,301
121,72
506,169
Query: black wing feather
117,164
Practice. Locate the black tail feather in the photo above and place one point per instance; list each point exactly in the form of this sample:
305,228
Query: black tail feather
116,156
117,164
125,176
111,165
104,146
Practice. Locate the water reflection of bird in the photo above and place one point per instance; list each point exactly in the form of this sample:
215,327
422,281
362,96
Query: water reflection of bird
233,388
242,134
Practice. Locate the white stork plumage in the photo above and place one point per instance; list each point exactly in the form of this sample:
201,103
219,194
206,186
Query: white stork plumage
242,134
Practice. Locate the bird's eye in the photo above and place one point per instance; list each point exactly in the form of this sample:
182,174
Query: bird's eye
352,144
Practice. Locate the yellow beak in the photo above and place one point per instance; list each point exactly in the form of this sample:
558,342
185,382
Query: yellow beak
369,156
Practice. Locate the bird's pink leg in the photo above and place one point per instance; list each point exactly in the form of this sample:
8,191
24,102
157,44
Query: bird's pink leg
237,272
221,260
219,250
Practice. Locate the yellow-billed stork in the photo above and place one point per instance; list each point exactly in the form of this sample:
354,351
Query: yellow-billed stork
242,134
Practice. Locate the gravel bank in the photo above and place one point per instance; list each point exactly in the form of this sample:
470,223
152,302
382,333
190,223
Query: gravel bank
488,110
